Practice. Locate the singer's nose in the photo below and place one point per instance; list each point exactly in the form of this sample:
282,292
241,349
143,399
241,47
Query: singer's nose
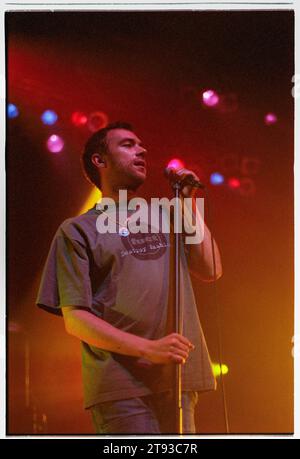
142,151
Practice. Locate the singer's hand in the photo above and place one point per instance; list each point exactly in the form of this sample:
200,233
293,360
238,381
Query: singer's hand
173,348
188,191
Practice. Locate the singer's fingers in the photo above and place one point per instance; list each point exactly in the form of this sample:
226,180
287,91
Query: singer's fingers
183,173
172,171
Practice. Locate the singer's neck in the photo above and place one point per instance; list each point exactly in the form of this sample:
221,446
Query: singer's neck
114,193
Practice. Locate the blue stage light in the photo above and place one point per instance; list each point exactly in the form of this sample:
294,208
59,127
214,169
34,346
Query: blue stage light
49,117
216,178
12,111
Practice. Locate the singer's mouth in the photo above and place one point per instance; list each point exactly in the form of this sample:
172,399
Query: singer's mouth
140,163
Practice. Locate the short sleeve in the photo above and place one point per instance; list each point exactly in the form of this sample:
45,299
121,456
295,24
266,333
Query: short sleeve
65,279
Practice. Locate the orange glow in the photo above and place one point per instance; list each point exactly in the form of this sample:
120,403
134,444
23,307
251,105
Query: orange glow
94,197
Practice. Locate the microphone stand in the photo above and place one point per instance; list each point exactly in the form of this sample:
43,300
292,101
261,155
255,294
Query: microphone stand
176,310
177,307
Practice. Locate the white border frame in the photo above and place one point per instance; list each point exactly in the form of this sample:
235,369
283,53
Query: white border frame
149,5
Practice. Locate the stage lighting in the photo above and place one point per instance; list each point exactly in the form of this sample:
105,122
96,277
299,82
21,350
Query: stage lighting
229,164
12,111
175,164
97,120
216,178
228,103
55,144
234,182
78,119
247,187
250,166
49,117
270,119
218,369
14,327
210,98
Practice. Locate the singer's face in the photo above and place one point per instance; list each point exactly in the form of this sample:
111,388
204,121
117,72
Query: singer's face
125,165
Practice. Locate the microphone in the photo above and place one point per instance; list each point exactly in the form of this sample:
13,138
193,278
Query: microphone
189,179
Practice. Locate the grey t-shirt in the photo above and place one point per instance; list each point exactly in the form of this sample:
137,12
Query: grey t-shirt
124,281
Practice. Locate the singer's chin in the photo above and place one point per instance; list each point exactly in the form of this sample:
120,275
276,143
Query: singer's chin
137,180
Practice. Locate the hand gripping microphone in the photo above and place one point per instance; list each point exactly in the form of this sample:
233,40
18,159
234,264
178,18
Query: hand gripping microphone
189,179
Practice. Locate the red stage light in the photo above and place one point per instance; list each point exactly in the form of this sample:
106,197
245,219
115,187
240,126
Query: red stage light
234,182
247,187
97,120
78,119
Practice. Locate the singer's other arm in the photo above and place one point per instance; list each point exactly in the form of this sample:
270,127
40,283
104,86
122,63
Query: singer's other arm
200,255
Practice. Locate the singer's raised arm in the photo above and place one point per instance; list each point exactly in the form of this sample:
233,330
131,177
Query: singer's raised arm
202,254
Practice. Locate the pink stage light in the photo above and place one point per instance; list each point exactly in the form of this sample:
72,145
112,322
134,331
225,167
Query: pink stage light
55,144
176,164
234,182
270,119
78,119
210,98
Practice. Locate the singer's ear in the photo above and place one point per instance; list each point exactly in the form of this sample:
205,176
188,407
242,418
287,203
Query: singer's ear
98,160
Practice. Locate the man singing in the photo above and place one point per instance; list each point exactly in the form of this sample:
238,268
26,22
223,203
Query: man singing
113,292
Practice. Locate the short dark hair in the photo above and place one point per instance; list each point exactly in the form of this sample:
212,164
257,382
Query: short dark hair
97,144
